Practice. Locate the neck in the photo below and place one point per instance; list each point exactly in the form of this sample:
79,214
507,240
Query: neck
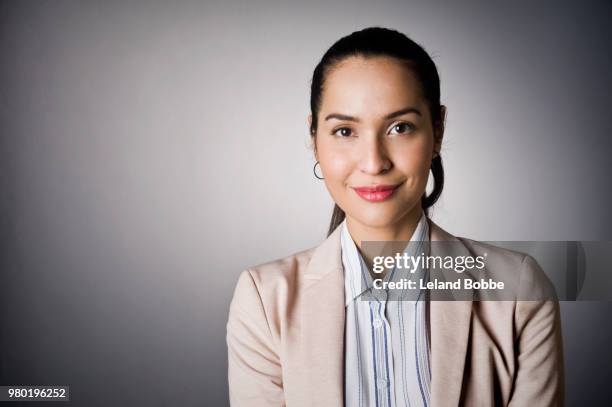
398,231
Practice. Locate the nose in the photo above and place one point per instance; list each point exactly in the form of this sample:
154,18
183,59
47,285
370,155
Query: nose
374,158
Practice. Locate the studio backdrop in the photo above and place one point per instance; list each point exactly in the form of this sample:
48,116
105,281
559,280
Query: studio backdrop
151,151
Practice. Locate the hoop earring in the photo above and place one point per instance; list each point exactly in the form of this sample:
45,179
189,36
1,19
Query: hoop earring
314,169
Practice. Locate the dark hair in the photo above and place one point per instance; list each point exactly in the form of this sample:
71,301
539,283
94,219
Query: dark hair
377,41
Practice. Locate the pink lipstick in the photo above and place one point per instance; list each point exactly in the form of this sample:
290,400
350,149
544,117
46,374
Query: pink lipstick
376,193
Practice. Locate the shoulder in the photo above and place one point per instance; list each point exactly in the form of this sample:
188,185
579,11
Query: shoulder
497,258
282,278
272,283
518,269
282,271
263,295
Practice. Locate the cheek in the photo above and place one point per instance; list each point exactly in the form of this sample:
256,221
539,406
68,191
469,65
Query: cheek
336,164
413,160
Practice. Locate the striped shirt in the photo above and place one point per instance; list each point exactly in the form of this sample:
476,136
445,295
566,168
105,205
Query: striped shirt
386,344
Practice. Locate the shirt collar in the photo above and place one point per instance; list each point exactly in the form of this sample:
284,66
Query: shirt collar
357,278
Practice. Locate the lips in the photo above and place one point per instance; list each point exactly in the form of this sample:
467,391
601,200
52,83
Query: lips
376,193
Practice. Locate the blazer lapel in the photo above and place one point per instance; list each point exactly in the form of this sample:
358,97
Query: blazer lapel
322,314
450,328
322,321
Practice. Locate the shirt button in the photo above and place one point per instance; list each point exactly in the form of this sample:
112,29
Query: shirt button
377,324
382,382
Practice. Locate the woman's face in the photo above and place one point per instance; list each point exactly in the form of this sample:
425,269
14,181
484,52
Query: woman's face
375,140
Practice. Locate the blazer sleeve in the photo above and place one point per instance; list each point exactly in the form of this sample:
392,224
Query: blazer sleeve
539,380
254,368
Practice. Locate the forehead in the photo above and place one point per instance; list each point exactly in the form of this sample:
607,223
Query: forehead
370,86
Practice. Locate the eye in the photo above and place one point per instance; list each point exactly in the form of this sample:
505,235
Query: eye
343,132
402,128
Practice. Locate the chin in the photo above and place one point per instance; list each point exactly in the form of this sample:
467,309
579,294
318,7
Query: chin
378,217
383,214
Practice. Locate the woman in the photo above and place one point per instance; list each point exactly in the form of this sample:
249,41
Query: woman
300,332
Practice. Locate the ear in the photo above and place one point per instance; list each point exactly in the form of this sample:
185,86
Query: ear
439,131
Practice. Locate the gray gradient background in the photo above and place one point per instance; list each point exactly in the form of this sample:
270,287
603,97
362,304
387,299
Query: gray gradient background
149,152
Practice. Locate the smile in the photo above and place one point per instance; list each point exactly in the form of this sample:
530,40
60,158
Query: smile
376,193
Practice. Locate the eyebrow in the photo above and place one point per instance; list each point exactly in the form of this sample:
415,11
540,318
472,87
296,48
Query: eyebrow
339,116
403,111
407,110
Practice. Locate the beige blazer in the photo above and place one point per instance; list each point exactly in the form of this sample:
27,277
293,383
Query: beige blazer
285,336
